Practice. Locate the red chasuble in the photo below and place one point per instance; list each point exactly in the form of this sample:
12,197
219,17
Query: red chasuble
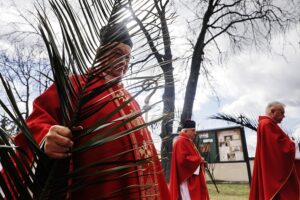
142,181
274,174
297,165
185,160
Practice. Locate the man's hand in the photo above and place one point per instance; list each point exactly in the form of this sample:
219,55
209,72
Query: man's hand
204,164
58,142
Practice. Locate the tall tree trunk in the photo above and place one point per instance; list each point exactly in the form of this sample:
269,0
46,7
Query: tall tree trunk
168,100
167,123
197,59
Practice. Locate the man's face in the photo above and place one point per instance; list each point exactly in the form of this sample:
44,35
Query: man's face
277,114
117,60
190,132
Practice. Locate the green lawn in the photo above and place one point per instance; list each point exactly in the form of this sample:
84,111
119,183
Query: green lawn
229,191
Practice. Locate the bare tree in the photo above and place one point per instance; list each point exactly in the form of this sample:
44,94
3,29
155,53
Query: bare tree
241,22
28,71
23,60
162,52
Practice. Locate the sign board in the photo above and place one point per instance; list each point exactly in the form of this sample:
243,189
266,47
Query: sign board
221,145
207,143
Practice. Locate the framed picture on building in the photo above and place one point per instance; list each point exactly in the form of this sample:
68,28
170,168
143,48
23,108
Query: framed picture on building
230,145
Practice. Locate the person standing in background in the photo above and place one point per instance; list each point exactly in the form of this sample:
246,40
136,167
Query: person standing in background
274,174
187,178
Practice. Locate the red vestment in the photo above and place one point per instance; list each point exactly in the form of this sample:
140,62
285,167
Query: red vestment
297,165
185,160
274,174
145,181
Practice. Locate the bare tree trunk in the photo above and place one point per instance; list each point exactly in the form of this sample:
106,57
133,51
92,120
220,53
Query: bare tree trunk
167,123
197,59
168,98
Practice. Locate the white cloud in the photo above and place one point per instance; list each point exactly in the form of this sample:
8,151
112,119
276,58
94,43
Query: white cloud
252,79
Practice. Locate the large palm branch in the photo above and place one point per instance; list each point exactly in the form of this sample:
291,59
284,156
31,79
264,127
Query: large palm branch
240,119
71,52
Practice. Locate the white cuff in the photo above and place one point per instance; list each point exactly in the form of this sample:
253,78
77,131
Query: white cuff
196,172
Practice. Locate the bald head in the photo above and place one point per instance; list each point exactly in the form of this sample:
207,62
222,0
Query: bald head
275,110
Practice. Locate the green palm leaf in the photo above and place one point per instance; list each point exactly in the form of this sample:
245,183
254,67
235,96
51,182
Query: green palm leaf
237,119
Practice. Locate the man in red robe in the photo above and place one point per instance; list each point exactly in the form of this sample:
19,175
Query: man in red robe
187,178
274,174
132,180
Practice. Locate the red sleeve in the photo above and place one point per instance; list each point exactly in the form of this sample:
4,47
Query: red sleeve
45,113
187,159
278,151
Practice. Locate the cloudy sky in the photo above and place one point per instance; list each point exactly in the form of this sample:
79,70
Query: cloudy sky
251,79
244,83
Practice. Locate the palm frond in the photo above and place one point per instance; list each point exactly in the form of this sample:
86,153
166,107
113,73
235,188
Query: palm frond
237,119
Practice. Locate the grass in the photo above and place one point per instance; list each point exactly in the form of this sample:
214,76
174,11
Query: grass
229,191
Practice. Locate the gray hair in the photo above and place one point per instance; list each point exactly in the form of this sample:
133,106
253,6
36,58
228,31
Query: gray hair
274,104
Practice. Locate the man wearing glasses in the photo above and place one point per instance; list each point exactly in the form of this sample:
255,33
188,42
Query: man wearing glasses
130,167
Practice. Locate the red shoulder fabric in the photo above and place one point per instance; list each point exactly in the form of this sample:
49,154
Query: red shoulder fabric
45,113
274,174
185,160
297,166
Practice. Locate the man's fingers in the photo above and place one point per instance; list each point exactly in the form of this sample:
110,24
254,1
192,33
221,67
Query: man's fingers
60,140
54,147
56,151
61,130
58,143
62,149
64,141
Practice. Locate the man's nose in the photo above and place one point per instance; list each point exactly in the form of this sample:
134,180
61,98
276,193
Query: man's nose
123,60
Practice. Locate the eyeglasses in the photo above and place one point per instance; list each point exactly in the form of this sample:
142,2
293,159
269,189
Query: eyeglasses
119,55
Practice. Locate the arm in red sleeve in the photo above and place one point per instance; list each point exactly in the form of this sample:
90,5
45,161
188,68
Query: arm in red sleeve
45,114
187,159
